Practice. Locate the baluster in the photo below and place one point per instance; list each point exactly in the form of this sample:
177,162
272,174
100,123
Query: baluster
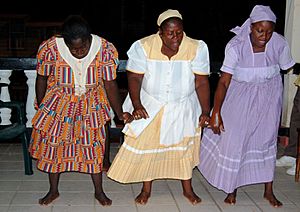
30,111
112,116
5,112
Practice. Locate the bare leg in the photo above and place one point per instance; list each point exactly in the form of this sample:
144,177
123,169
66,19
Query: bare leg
99,193
269,195
53,191
231,198
189,193
106,160
145,194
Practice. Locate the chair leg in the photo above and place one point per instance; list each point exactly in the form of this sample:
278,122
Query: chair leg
26,155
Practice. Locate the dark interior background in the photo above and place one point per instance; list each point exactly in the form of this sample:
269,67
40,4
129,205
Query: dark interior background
122,22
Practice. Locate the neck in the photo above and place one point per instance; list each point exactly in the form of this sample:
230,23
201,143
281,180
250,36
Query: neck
258,49
168,52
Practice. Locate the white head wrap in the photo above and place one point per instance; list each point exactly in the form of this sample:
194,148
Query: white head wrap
168,14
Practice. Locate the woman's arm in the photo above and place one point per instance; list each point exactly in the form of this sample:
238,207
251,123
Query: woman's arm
203,93
216,121
134,87
40,88
113,95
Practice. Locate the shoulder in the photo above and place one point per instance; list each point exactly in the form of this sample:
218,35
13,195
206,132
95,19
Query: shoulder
235,45
105,44
279,37
143,45
279,40
202,44
47,48
149,39
148,42
194,44
235,42
48,44
107,50
192,41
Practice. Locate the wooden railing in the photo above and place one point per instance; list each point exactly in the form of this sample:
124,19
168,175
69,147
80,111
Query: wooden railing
20,75
22,89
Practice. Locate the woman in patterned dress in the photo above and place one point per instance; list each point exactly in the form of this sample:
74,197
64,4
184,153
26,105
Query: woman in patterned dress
240,149
169,98
75,88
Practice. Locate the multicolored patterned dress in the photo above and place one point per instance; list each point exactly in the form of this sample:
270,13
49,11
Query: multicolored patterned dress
68,128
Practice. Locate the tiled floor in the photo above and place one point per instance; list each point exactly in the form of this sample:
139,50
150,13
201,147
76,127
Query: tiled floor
19,192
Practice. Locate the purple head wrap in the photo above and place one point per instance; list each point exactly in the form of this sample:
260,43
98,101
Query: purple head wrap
258,13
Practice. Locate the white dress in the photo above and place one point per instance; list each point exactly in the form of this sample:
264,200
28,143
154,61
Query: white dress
166,143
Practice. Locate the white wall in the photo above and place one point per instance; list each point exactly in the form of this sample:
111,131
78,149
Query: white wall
292,33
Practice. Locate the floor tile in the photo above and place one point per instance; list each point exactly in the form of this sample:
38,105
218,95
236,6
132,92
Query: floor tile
20,192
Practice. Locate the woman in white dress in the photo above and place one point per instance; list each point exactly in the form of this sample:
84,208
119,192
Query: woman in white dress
169,99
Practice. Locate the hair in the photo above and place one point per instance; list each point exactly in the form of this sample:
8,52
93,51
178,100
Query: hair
164,23
75,27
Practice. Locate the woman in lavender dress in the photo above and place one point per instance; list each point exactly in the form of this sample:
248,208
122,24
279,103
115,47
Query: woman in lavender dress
240,148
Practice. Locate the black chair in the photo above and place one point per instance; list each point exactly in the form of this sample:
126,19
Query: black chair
17,130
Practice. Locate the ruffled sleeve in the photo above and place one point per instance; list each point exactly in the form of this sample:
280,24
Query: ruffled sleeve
231,59
109,61
285,58
137,61
200,64
45,59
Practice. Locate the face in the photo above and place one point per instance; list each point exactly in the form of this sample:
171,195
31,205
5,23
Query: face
79,48
261,33
171,34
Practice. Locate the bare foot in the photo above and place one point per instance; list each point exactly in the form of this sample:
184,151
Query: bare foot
103,199
143,197
48,198
230,199
192,197
272,200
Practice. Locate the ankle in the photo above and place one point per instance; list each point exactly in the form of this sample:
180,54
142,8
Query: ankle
146,189
147,192
187,189
53,192
268,193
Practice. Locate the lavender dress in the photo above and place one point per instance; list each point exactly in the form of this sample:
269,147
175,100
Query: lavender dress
246,152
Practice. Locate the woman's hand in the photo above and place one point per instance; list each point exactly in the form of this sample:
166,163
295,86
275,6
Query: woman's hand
127,117
204,120
216,123
140,112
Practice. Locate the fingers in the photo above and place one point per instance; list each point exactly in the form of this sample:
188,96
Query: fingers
146,114
140,114
206,124
137,117
216,130
222,128
204,121
127,117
